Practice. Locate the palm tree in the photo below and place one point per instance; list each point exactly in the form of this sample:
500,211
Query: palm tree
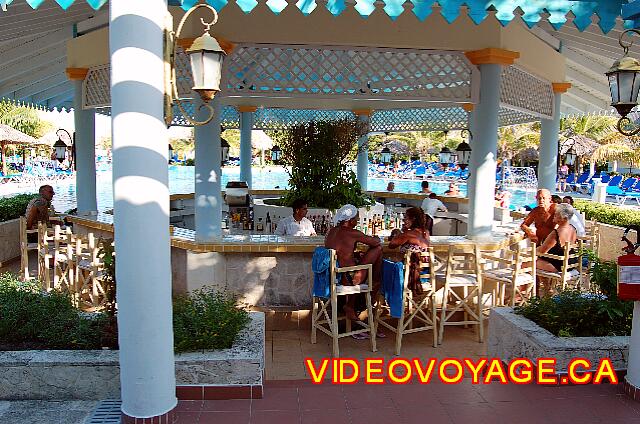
23,119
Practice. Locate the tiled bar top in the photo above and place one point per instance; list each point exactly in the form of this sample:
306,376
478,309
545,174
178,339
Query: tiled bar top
185,239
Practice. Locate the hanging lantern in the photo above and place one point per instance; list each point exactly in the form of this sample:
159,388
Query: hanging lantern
61,149
206,58
624,85
570,157
464,150
276,153
385,155
445,156
224,150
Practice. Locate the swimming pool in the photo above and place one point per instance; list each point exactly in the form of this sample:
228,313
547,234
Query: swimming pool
181,180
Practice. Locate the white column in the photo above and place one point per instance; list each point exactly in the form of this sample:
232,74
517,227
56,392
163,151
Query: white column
363,150
141,208
471,125
246,125
633,366
482,170
548,164
85,139
208,195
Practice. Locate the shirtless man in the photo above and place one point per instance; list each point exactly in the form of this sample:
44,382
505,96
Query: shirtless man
343,238
541,216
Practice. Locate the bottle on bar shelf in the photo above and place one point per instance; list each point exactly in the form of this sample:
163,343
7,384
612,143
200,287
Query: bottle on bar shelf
260,225
268,224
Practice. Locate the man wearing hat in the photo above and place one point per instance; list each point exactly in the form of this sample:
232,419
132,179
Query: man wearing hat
343,238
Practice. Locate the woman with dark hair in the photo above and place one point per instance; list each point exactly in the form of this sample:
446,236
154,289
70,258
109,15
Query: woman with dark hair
414,238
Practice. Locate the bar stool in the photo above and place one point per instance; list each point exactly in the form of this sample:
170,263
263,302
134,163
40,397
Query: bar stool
26,247
515,271
324,315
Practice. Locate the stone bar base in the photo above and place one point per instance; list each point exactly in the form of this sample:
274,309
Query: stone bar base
630,390
218,392
168,418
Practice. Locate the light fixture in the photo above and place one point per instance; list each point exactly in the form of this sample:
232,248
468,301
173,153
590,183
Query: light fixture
624,84
60,146
445,156
385,155
571,156
464,149
224,150
206,57
276,153
170,152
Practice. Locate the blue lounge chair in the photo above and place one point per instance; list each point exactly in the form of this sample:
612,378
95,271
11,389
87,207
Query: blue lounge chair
629,193
582,178
615,181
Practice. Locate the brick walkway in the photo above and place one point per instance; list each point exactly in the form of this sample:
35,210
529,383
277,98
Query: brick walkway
298,401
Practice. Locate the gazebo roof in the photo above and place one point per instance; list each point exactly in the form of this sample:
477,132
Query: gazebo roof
583,146
9,135
33,36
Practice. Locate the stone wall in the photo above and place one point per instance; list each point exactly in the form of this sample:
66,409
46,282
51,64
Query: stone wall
95,374
513,336
610,243
9,240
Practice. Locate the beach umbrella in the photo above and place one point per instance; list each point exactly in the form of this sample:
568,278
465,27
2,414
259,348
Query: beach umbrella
262,141
9,135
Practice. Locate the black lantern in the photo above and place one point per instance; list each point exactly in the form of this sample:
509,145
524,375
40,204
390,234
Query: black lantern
224,150
60,146
276,153
445,156
385,155
571,156
464,150
170,153
624,84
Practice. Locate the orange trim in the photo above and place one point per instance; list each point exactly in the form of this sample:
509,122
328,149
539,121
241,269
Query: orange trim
561,87
468,107
75,74
366,112
226,45
247,108
492,56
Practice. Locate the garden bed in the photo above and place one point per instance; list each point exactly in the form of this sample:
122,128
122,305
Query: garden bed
513,336
94,374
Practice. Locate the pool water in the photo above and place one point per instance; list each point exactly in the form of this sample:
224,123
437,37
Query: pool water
181,180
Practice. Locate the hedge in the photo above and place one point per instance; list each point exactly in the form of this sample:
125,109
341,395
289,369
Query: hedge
14,207
608,214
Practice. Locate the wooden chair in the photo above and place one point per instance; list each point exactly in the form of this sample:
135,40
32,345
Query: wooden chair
63,260
45,255
514,271
416,309
26,247
89,269
325,311
570,272
463,289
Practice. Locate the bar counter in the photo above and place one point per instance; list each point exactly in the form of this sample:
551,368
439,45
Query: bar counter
263,270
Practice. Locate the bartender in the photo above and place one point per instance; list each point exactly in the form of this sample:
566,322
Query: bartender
296,225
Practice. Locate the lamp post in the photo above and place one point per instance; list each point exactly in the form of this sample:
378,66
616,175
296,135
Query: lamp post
206,57
624,85
61,147
464,149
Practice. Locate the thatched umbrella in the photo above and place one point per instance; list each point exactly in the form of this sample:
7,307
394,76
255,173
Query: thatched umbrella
530,154
582,145
9,135
397,148
262,141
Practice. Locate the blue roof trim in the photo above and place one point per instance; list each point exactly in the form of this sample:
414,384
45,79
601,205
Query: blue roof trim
607,11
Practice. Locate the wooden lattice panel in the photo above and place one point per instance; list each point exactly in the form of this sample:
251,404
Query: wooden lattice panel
357,73
96,89
508,117
523,91
433,119
280,119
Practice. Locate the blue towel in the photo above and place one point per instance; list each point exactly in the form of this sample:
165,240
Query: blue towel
320,267
393,285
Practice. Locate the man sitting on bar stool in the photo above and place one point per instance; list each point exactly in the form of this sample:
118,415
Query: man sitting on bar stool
297,224
343,238
38,211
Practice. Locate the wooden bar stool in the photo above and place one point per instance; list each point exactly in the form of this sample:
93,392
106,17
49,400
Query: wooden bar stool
418,310
26,247
515,272
324,315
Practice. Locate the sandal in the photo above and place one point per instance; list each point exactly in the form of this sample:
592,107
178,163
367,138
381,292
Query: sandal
360,336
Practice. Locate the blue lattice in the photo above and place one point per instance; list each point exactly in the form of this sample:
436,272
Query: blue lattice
365,7
277,6
246,5
422,8
393,8
450,10
306,6
279,119
336,7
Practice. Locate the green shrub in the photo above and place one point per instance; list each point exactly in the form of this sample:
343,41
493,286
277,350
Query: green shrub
40,320
206,319
14,207
574,313
608,214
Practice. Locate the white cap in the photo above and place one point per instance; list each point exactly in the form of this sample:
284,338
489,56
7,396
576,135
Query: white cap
345,213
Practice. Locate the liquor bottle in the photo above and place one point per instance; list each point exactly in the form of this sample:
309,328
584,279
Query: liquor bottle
365,226
268,222
260,225
323,228
386,221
